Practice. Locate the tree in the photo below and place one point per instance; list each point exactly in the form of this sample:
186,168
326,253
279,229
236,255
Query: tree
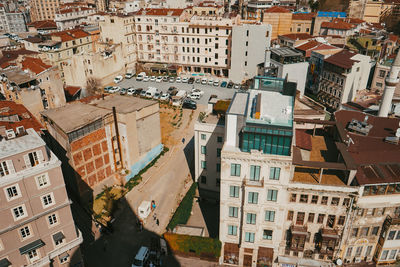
314,5
93,87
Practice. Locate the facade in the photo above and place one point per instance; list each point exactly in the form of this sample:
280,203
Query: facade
280,20
293,39
11,21
337,27
42,27
43,9
302,22
37,227
69,17
95,148
343,74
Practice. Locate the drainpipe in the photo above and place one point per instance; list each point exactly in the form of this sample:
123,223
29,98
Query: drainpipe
345,226
117,136
242,213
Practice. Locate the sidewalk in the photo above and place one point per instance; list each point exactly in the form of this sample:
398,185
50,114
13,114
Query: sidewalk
197,219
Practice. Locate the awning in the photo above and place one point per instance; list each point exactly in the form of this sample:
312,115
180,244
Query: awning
291,261
58,237
31,246
5,262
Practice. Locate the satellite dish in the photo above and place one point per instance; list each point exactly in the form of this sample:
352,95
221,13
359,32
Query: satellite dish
339,262
398,133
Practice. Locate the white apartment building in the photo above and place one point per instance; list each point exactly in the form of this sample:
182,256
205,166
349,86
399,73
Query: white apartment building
68,18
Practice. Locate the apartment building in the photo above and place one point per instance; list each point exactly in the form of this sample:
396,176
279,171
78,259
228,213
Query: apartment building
104,137
67,17
42,27
280,19
302,22
37,228
12,21
343,74
43,9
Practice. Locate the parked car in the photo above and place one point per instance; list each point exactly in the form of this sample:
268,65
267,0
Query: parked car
185,79
140,76
151,91
236,86
123,91
198,80
157,95
129,74
195,96
165,78
210,82
178,79
141,257
159,79
152,78
115,89
204,81
138,91
230,85
118,79
171,79
216,83
189,104
224,84
164,97
146,78
130,91
143,93
172,88
107,89
198,91
191,80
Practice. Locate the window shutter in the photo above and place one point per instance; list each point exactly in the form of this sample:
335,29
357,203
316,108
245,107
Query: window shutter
40,156
27,161
10,166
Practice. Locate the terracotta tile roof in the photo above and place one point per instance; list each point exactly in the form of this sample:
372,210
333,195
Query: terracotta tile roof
70,35
337,24
175,12
34,39
71,90
313,46
303,140
393,37
12,55
377,25
35,65
342,59
303,16
297,36
306,46
43,24
277,9
353,20
25,118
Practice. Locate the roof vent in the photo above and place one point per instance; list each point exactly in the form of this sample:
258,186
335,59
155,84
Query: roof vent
360,127
10,134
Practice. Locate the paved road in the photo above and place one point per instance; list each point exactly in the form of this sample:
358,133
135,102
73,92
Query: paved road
222,93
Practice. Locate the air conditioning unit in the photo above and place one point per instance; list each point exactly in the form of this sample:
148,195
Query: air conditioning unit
10,134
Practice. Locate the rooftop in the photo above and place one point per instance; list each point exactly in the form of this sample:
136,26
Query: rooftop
277,9
286,52
239,104
13,115
123,104
43,24
175,12
12,55
303,16
21,144
17,76
337,24
297,36
35,65
69,35
342,59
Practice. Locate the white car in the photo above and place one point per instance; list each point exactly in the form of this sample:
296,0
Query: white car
197,91
146,78
216,82
236,86
204,81
178,79
115,89
185,79
130,91
159,79
118,79
152,78
164,97
210,82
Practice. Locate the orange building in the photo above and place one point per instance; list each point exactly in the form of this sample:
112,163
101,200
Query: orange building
280,19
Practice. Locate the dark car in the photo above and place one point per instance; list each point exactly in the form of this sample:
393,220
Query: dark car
224,84
191,80
172,88
137,91
230,85
189,104
123,91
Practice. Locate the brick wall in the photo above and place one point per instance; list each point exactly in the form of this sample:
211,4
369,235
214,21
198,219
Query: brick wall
90,158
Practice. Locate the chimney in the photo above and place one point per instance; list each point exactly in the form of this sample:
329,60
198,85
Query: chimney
390,86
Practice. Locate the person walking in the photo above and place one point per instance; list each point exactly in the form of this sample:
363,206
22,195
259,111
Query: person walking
158,222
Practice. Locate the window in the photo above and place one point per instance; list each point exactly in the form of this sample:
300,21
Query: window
218,152
272,195
19,212
335,201
382,73
378,84
358,251
235,169
6,167
33,255
12,192
324,201
375,230
254,173
47,200
42,180
349,251
321,218
331,221
300,218
52,219
368,251
274,173
203,150
203,137
303,198
293,197
346,202
232,230
364,231
392,254
314,199
270,216
398,235
204,164
354,232
252,198
384,254
203,179
267,234
234,191
311,217
391,235
251,218
290,215
25,232
233,212
249,237
341,220
32,159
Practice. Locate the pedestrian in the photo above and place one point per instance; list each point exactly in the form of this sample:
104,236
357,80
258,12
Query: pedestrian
183,140
158,222
153,205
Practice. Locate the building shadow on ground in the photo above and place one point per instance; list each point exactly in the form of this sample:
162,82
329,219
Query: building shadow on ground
189,154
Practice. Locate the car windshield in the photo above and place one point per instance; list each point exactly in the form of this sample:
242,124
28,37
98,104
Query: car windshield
137,262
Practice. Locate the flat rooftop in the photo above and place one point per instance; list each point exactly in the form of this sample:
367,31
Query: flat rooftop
21,144
75,115
311,176
274,108
285,52
18,76
239,104
123,104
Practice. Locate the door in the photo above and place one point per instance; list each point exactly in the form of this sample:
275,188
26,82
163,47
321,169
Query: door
247,259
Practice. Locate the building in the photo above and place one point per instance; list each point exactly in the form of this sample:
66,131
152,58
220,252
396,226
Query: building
287,63
42,27
324,16
313,45
43,9
370,45
343,74
11,21
337,27
253,10
67,16
37,227
294,39
280,20
302,22
99,141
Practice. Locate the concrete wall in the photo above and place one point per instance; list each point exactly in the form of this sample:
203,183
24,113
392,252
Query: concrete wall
280,22
296,72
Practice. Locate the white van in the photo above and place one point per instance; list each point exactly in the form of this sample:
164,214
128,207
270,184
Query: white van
151,91
140,76
141,257
178,98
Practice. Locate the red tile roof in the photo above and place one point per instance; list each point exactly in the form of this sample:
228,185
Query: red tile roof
337,24
12,55
35,65
43,24
297,36
277,9
26,119
161,12
70,35
303,140
353,20
72,90
342,59
306,46
303,16
393,37
313,46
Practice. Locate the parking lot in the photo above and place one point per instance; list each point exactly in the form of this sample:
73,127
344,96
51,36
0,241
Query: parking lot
221,92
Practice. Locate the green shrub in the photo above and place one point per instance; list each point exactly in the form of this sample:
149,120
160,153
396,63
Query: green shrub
201,246
182,213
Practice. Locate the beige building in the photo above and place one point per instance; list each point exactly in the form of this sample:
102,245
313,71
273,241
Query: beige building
37,228
280,20
302,22
43,9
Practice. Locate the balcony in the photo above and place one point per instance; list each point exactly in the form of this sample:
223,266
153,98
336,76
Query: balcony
253,183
